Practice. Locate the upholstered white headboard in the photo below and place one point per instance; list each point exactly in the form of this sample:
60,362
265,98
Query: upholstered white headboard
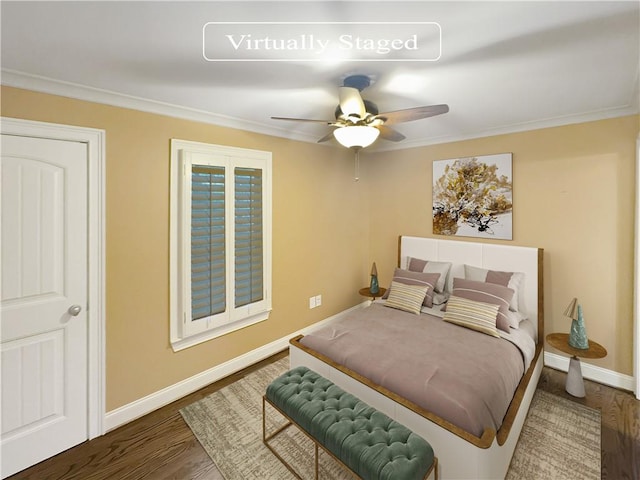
506,258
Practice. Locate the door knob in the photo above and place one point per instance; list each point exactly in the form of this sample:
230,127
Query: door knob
74,310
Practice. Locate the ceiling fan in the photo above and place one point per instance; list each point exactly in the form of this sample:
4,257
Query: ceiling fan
358,122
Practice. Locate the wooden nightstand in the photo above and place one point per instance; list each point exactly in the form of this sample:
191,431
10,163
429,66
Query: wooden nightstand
575,383
366,293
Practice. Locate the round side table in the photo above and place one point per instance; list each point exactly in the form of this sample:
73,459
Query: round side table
365,292
575,382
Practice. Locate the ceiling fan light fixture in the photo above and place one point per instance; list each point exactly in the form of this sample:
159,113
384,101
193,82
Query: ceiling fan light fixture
356,136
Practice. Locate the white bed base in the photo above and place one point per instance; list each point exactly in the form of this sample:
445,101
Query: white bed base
457,458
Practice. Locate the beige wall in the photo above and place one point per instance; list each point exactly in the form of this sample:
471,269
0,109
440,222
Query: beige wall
573,195
318,232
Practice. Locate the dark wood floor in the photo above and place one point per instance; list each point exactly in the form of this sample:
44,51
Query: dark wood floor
161,446
620,423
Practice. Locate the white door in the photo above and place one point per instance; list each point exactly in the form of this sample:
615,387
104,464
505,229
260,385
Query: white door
43,325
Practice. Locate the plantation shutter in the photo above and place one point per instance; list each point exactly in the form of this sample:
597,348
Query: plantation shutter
208,253
249,257
220,248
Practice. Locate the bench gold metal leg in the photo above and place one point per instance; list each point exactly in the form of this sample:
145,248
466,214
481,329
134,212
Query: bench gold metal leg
434,469
265,438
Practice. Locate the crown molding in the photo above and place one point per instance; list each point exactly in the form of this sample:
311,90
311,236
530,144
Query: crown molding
615,112
12,78
37,83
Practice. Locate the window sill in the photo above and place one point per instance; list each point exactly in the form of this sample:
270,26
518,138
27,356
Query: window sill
178,344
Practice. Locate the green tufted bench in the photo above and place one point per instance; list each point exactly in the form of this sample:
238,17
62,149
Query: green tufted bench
367,442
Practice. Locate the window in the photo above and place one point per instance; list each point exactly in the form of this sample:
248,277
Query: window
220,240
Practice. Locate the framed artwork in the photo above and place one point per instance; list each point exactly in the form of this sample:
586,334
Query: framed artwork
472,197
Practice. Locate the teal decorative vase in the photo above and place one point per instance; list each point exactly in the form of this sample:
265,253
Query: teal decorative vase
578,335
374,288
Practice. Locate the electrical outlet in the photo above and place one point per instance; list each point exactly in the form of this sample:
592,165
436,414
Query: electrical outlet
312,302
318,300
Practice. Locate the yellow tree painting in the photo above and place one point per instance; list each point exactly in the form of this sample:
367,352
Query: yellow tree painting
473,197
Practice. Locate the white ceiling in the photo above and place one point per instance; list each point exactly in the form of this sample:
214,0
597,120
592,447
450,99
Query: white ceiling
504,66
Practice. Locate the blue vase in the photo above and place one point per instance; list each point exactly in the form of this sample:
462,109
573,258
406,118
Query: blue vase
578,335
374,288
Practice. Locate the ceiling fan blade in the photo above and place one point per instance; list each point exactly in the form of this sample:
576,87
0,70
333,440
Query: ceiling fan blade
411,114
328,136
328,122
389,133
351,102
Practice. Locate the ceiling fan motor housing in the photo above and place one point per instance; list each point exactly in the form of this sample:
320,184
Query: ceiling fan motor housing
357,81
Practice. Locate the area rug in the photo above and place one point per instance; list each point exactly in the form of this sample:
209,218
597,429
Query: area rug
560,438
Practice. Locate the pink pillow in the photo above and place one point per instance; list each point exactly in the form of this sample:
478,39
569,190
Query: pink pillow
416,278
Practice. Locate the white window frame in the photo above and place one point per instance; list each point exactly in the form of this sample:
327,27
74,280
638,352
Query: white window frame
185,333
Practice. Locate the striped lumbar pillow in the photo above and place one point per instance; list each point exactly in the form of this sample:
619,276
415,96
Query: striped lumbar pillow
478,316
486,293
406,297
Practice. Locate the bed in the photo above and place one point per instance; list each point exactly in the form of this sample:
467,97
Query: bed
475,426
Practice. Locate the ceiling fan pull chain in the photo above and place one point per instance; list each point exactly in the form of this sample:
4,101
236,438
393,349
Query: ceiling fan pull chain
357,164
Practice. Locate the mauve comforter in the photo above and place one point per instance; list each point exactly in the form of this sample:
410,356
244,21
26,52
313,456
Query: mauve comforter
465,377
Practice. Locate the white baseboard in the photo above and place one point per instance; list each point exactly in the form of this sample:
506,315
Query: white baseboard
591,372
138,408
